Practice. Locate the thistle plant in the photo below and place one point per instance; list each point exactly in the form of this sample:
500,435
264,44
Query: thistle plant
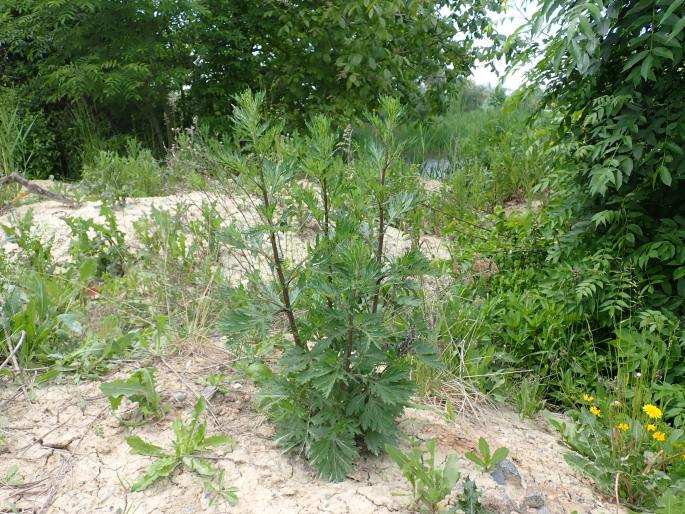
348,307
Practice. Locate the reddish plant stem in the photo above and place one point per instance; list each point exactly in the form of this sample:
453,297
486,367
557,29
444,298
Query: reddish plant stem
278,264
381,231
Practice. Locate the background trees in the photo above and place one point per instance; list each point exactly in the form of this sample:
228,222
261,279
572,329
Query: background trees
143,67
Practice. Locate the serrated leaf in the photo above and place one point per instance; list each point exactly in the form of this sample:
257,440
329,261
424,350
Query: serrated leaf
333,455
159,469
140,447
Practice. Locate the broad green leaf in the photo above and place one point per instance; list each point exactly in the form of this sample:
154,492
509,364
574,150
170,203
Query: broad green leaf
216,440
141,447
499,455
158,469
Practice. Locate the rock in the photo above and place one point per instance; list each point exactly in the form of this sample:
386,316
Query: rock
179,396
506,472
288,491
534,499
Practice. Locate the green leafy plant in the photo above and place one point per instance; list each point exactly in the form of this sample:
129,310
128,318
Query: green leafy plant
630,452
12,477
138,388
190,441
101,241
215,381
36,252
136,173
529,397
468,501
349,309
430,483
484,459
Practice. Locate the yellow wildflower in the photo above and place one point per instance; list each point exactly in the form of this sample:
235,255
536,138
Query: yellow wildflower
596,411
683,456
623,427
652,411
659,436
651,427
588,398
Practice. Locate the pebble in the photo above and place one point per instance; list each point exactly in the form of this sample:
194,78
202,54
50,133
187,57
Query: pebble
506,472
179,396
534,499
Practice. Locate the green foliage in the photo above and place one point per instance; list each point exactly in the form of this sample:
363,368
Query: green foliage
27,144
190,440
529,396
486,460
12,477
15,153
430,484
118,177
469,500
157,64
42,313
99,244
35,253
344,379
632,453
614,80
139,388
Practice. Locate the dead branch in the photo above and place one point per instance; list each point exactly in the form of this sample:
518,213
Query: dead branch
36,189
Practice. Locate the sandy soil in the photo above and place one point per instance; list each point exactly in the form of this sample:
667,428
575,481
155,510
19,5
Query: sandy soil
72,453
73,457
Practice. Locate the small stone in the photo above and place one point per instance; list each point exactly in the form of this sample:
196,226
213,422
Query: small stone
179,396
288,491
237,386
506,472
534,499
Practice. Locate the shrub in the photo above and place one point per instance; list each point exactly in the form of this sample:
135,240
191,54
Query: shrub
349,308
136,173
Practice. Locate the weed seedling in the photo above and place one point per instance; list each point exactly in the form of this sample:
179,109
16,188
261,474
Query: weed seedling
138,388
12,477
486,460
189,440
430,484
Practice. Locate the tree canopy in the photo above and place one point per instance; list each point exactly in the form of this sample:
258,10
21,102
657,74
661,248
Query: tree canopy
142,66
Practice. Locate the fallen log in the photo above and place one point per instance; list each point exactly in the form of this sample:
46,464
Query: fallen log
36,189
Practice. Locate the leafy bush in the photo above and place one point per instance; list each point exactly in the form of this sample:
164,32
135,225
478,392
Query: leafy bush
27,146
43,313
350,310
136,173
102,242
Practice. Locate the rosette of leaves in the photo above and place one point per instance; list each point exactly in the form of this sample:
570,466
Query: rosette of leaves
350,310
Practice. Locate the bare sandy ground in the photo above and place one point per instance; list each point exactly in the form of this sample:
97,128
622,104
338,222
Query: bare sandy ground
73,457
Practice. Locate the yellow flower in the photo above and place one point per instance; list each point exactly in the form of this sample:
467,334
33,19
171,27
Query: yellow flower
651,428
683,456
652,411
588,398
623,427
596,411
659,436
